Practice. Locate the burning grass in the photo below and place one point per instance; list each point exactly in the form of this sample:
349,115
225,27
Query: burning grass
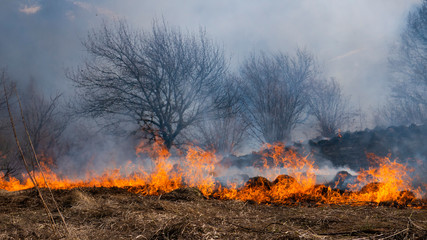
184,199
288,179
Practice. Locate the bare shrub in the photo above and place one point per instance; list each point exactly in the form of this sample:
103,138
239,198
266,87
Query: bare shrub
330,108
275,87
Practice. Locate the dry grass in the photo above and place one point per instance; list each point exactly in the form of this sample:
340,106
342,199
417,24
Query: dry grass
101,213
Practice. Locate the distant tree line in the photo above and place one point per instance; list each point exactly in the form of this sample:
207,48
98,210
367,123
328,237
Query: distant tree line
176,86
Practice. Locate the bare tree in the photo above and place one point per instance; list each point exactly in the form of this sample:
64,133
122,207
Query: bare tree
3,109
275,92
45,125
330,108
8,159
409,65
163,80
225,130
399,111
224,135
45,122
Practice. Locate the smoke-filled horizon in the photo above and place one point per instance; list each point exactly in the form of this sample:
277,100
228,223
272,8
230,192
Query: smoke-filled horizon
351,41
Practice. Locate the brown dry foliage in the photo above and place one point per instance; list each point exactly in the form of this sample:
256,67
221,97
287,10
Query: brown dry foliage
113,213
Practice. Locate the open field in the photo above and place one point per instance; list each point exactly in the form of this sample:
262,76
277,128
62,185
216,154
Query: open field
215,119
115,213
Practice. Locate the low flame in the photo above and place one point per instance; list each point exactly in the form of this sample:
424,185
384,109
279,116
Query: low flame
290,178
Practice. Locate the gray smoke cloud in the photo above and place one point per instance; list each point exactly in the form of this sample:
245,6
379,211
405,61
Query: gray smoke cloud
351,39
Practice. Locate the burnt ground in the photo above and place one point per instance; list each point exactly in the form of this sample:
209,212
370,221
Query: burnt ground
102,213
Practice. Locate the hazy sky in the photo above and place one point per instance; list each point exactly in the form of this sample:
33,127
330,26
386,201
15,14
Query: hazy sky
350,38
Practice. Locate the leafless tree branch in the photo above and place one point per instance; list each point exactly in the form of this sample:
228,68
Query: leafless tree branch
163,80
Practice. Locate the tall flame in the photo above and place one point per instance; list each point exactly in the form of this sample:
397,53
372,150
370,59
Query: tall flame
290,178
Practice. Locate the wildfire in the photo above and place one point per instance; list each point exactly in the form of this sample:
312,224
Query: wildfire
289,178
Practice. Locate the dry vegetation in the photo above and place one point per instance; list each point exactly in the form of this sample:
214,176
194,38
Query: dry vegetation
115,213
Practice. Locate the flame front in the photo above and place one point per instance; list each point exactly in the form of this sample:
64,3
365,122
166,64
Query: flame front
289,178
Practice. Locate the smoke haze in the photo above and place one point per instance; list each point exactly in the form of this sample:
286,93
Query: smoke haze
350,38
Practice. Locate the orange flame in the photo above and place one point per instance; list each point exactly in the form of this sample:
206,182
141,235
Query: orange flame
384,182
290,178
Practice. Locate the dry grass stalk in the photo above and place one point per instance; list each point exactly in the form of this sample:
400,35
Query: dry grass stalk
104,213
38,162
33,180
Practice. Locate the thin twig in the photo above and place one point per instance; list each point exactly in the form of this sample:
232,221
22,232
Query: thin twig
33,180
415,225
397,233
38,163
